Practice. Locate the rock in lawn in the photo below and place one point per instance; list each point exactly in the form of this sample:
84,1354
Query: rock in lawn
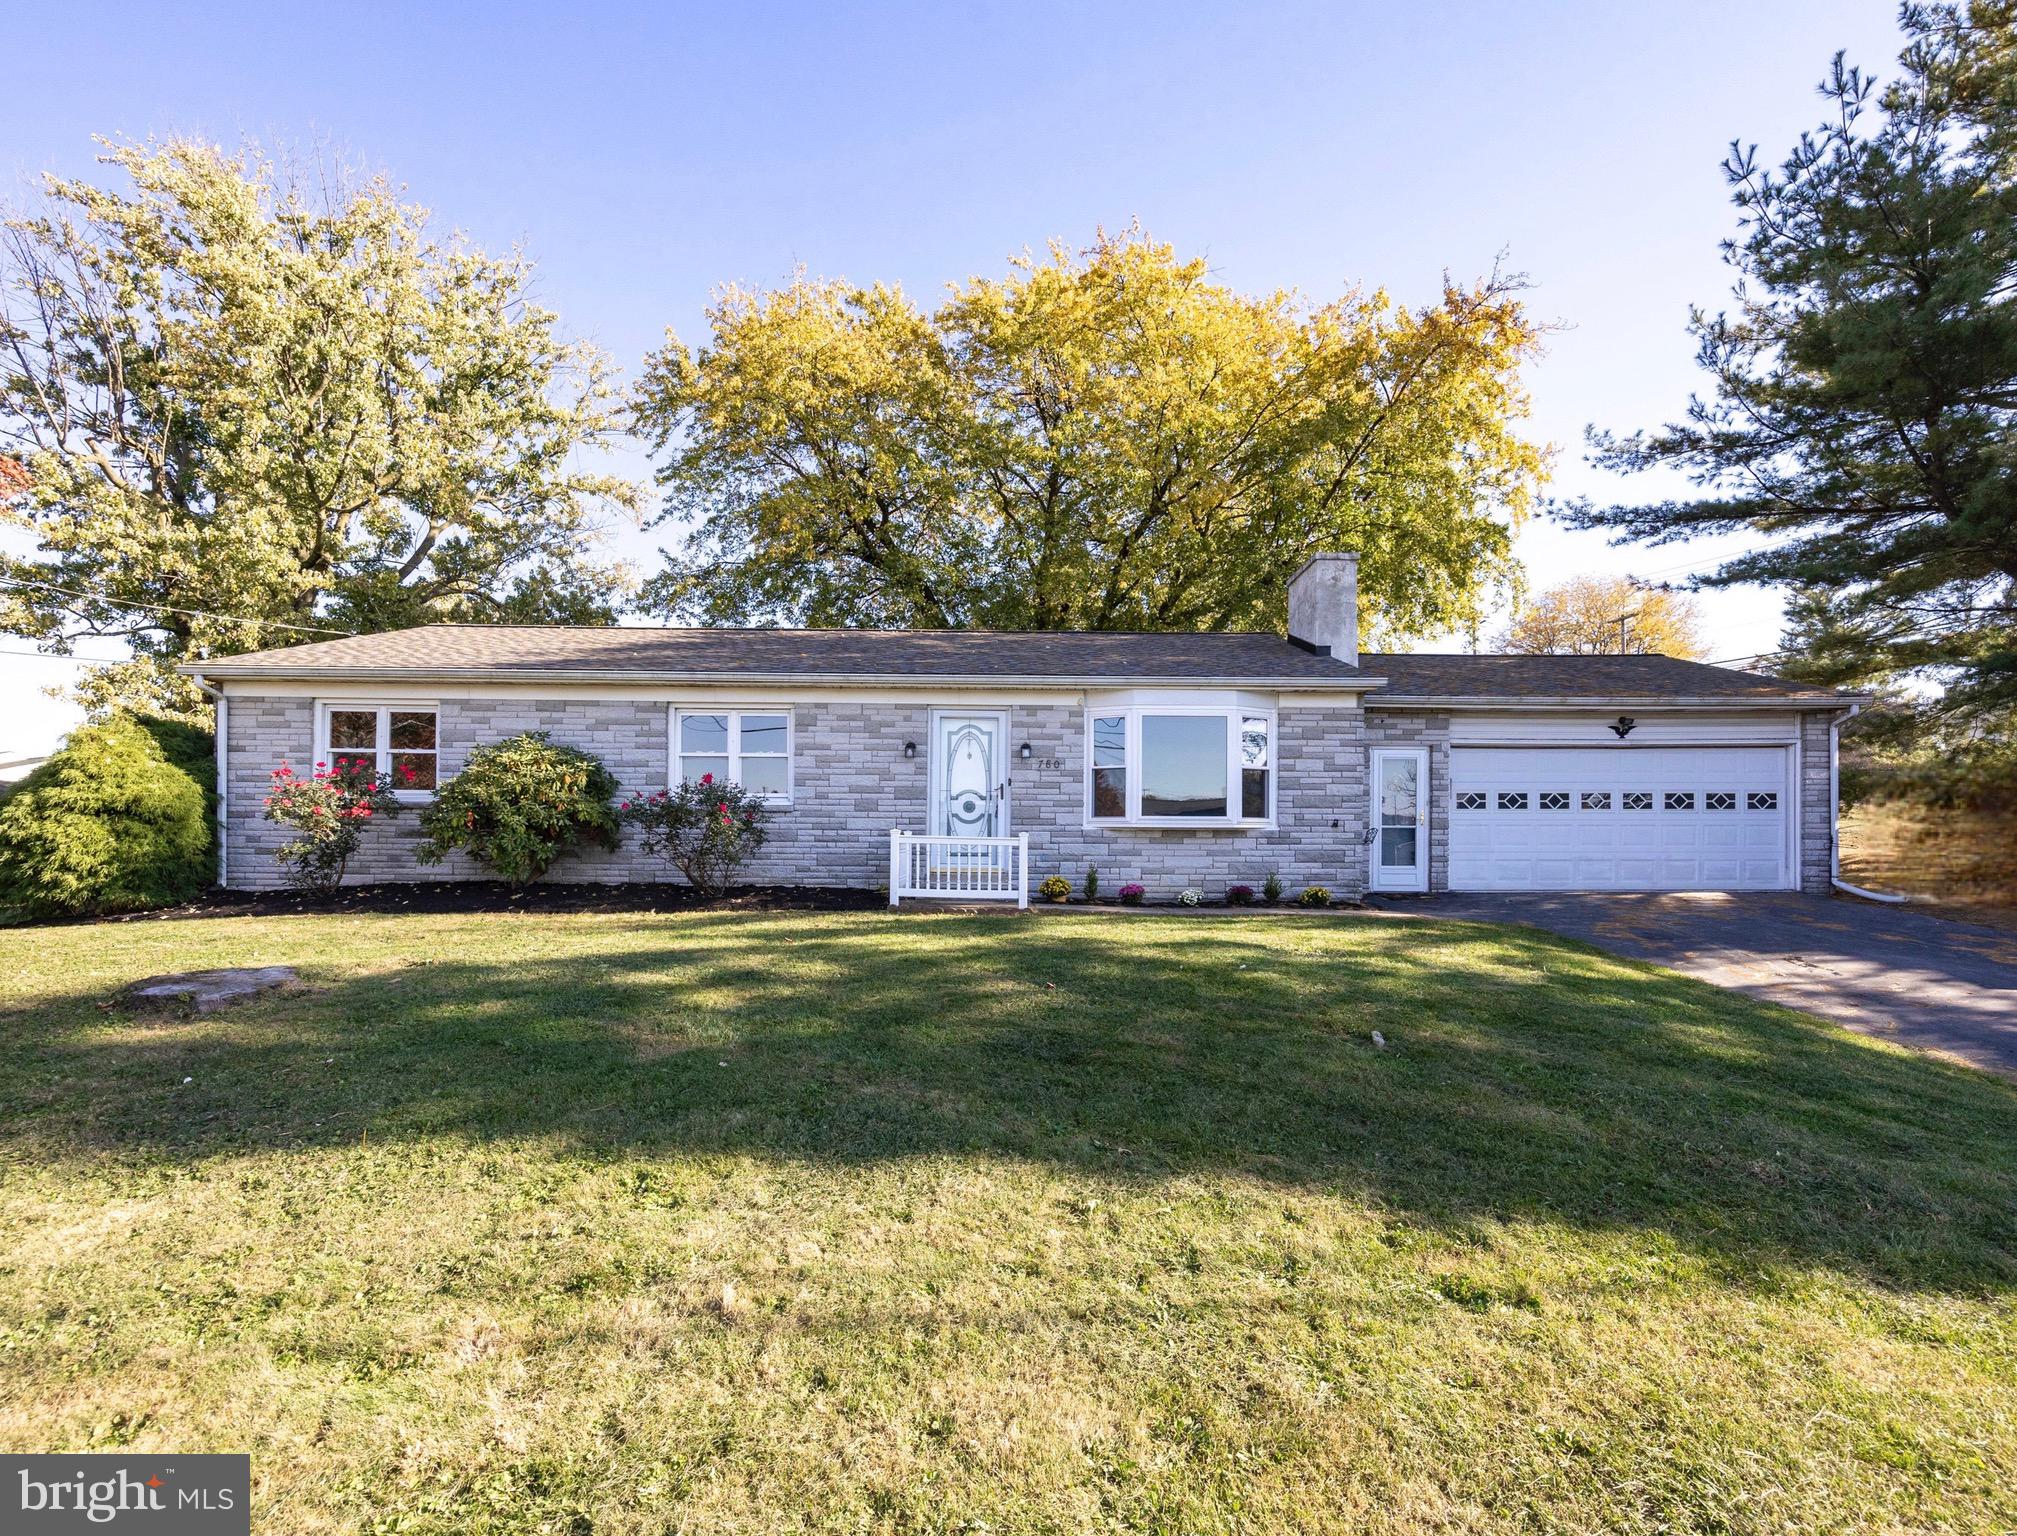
1379,1039
207,991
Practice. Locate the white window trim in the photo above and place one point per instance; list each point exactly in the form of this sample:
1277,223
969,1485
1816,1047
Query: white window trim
1233,715
382,753
735,712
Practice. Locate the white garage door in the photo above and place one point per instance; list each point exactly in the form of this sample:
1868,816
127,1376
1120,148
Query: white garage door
1620,819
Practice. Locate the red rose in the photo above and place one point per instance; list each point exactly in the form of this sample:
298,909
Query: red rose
707,778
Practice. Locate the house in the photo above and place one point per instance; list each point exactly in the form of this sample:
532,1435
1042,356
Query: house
1171,759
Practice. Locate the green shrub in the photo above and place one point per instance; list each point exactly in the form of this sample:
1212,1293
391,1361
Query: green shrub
108,824
1056,888
518,805
1271,888
1092,883
703,829
1315,896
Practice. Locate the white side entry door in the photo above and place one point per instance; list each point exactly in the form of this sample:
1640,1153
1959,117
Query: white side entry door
1399,830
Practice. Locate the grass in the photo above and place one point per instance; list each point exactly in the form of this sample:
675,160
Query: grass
937,1223
1964,860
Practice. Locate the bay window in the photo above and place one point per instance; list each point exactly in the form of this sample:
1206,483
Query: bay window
1180,766
750,747
398,741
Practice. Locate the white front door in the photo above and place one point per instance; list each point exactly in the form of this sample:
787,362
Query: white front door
1400,829
969,775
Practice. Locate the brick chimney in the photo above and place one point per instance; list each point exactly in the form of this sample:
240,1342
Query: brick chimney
1324,606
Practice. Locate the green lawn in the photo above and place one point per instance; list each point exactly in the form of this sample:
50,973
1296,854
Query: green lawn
733,1222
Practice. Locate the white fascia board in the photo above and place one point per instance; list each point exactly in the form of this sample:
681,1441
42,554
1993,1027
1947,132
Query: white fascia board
1617,704
630,683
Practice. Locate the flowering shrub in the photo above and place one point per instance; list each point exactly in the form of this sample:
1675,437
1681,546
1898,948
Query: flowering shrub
519,804
1189,898
703,829
1132,895
1239,895
1056,888
1315,896
330,809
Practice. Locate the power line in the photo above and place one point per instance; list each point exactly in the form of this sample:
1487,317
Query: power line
192,613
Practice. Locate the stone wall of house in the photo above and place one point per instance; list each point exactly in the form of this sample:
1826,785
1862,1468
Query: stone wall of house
1317,839
851,786
1817,807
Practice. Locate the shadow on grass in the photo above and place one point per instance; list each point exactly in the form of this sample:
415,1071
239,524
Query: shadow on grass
1525,1078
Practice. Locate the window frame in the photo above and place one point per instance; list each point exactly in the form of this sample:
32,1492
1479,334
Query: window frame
1235,717
734,752
382,753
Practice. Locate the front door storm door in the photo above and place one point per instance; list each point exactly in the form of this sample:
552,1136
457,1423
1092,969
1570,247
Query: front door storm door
1400,819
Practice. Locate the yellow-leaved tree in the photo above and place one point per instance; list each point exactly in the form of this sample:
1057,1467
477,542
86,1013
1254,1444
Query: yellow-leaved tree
1105,439
1600,615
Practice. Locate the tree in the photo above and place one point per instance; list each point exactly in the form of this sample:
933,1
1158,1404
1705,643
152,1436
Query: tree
1581,618
1864,387
1100,440
245,408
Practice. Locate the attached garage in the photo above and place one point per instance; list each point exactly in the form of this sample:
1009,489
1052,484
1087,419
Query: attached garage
1622,818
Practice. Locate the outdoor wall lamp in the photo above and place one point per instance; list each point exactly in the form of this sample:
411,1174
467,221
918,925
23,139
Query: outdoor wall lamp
1024,752
1624,726
910,749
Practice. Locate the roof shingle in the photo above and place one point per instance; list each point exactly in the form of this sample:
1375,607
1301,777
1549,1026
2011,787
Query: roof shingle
559,652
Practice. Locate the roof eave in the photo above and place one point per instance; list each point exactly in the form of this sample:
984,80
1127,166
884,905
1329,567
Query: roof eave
1610,701
225,671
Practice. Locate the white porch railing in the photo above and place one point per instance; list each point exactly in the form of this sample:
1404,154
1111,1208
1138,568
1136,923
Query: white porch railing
959,868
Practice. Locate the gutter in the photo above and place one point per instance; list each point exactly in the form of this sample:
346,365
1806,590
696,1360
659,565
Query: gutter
1835,879
908,681
222,708
1611,703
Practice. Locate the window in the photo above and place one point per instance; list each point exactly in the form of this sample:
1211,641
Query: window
1596,799
747,747
1680,799
1471,800
397,740
1512,800
1638,800
1554,800
1720,800
1180,765
1764,800
1110,767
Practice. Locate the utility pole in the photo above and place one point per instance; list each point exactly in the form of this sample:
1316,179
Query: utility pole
1621,620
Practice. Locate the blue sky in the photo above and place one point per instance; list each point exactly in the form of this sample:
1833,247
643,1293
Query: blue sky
644,155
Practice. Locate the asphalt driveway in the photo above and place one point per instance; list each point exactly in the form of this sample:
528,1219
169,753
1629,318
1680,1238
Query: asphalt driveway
1895,972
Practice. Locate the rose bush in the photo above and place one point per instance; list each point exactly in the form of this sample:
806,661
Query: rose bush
704,829
330,810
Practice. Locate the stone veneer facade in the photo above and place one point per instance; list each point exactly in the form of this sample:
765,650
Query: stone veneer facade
852,784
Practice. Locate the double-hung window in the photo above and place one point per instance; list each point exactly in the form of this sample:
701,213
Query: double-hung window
750,747
401,742
1180,766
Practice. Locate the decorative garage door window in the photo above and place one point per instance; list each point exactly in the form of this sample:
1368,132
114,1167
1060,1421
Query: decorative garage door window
750,747
1763,800
399,741
1512,800
1596,799
1554,800
1471,800
1720,800
1638,800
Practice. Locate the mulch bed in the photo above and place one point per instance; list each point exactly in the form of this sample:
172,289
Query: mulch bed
452,896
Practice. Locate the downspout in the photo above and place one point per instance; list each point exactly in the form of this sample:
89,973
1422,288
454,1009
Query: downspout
1835,811
222,708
